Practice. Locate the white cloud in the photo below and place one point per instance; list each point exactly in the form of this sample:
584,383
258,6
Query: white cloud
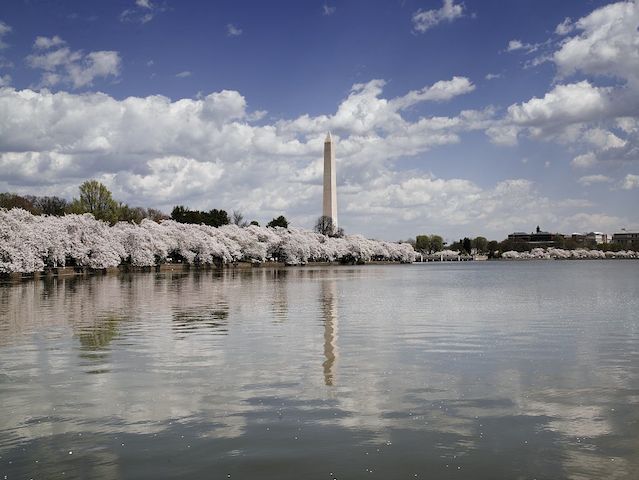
44,43
424,20
143,12
628,124
233,31
514,45
585,160
503,134
219,159
564,104
630,181
492,76
589,180
565,27
94,65
184,74
328,10
170,176
603,139
559,115
82,136
607,43
76,68
589,222
4,30
438,92
5,80
598,122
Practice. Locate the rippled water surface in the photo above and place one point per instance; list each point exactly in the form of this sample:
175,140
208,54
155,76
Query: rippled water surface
475,370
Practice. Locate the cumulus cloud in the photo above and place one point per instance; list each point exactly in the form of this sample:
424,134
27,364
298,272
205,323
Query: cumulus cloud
589,180
564,104
439,91
598,118
603,139
429,203
628,124
5,80
206,153
551,115
170,176
424,20
233,31
606,44
44,43
60,64
630,182
588,222
585,160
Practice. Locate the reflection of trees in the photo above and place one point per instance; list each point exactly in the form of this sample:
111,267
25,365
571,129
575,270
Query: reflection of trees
97,337
328,306
280,294
204,316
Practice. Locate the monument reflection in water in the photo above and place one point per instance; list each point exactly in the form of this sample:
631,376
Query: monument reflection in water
329,308
493,370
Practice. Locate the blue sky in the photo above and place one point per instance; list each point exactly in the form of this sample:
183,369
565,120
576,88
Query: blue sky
521,112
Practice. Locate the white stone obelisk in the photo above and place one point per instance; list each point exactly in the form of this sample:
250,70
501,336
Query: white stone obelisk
330,183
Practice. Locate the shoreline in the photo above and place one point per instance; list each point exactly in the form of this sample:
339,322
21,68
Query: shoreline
70,272
64,272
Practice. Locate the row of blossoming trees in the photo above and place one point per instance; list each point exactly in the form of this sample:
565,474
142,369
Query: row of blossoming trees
31,243
561,254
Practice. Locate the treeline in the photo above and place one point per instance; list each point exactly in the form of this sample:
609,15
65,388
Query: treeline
34,243
35,205
217,218
428,244
95,198
213,218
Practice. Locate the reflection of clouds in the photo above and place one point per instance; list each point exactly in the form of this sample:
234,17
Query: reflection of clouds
583,463
431,353
569,415
138,367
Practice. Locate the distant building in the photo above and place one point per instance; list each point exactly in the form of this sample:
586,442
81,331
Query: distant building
590,238
625,238
538,237
578,238
519,237
597,237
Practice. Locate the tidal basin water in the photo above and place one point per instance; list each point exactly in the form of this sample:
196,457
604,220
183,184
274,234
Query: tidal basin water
481,370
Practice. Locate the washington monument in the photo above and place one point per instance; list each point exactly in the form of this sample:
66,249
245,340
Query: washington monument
330,186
